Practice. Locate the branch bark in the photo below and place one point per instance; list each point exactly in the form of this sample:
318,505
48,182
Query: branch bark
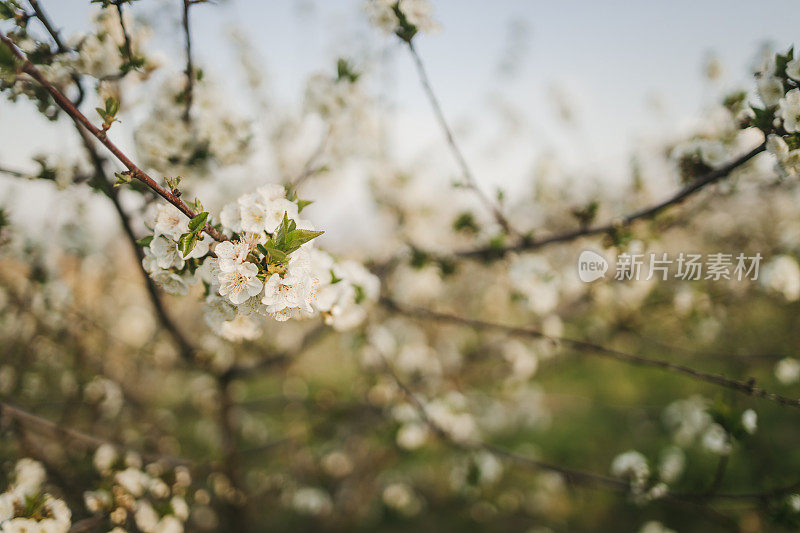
64,103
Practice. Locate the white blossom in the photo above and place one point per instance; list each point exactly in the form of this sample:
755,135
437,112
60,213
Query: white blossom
770,90
777,146
793,69
104,458
240,283
789,110
631,465
750,421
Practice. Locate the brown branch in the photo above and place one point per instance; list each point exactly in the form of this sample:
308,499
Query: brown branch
490,252
54,33
744,387
186,350
64,103
451,141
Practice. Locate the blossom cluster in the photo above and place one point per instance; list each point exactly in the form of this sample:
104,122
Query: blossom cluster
26,507
130,494
100,52
167,142
778,88
269,267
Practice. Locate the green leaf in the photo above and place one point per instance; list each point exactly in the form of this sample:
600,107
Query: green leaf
186,243
198,222
279,238
112,106
276,256
298,237
302,204
144,242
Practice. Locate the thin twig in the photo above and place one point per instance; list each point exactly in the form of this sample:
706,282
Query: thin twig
491,252
46,428
451,141
135,172
61,47
125,36
189,92
15,173
745,387
310,168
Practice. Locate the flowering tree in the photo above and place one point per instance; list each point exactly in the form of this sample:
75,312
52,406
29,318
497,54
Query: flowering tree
216,369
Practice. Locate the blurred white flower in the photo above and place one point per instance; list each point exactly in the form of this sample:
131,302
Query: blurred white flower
787,370
789,110
750,421
770,90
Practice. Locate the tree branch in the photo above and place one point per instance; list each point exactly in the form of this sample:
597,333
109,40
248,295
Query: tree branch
186,350
490,252
744,387
64,103
46,428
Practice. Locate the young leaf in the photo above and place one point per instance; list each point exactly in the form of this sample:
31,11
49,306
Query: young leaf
112,106
276,256
299,237
303,203
186,243
197,223
144,242
279,238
